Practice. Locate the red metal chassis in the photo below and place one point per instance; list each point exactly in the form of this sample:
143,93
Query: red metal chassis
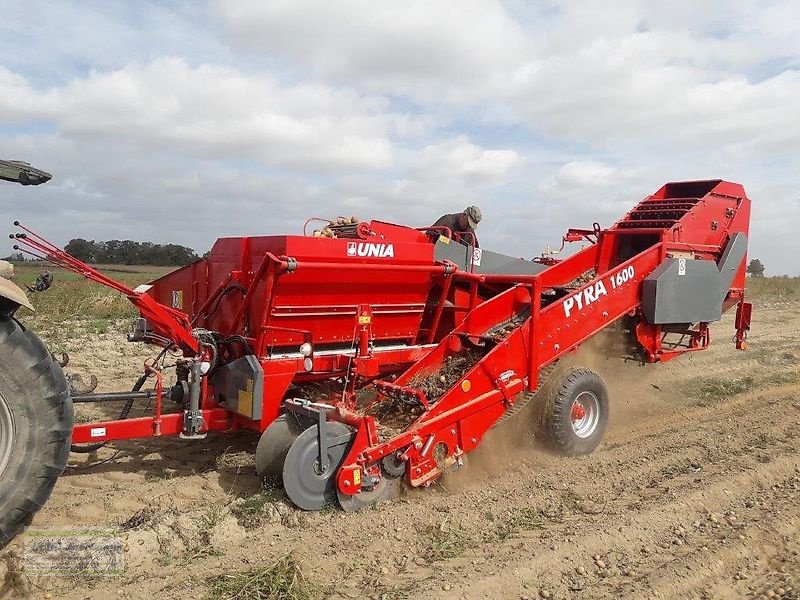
457,304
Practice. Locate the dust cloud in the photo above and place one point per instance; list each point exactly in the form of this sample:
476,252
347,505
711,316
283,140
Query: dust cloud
635,395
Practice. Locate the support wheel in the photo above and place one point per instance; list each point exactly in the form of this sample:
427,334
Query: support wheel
35,426
575,413
309,485
388,488
273,445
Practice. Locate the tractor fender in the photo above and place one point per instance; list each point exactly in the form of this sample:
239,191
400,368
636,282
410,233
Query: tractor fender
12,292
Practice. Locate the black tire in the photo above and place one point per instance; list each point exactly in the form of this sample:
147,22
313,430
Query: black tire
560,430
34,397
273,445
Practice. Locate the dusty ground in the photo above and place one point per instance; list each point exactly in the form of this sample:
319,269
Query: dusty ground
694,494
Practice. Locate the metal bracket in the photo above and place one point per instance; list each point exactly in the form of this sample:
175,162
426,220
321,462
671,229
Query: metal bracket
193,416
192,423
319,413
322,441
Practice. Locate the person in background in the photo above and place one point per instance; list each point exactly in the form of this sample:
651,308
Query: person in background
462,223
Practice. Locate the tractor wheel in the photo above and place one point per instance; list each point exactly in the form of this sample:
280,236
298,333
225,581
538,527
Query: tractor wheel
574,414
35,426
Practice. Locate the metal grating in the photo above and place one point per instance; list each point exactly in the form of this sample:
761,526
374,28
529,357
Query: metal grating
653,213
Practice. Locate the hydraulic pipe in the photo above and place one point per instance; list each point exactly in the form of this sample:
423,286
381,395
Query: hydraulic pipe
113,396
373,267
193,417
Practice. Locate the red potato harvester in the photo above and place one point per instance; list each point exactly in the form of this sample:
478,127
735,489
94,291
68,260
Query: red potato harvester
377,354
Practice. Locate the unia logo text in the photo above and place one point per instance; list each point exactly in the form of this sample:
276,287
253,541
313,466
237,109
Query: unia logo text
366,249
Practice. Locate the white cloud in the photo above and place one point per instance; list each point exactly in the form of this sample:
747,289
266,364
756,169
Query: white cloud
547,114
460,159
56,41
629,74
214,112
429,50
584,173
627,90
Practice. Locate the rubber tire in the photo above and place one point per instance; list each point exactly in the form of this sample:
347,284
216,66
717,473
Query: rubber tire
37,394
556,415
273,445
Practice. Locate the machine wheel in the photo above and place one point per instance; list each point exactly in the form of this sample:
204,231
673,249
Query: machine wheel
393,466
575,413
387,489
35,426
273,446
308,485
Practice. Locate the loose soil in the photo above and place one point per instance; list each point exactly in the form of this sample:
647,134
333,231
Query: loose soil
695,493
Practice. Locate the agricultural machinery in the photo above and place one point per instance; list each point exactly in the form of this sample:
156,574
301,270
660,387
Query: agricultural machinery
378,355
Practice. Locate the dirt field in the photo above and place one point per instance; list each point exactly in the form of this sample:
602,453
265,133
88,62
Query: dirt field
694,494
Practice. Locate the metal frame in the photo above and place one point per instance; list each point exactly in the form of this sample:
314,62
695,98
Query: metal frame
304,331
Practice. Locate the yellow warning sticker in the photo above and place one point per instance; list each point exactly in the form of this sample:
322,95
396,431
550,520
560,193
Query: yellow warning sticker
364,319
444,239
357,477
244,403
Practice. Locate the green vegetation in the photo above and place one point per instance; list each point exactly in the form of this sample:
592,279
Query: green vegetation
679,468
524,519
718,389
128,252
252,511
161,474
396,594
709,391
774,287
88,306
442,543
755,268
281,580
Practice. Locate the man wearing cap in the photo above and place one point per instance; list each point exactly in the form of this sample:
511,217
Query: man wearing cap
462,223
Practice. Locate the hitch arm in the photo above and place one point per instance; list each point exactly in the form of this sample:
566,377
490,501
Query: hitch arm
172,324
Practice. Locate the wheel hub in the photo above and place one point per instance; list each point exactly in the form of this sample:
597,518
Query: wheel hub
7,434
387,488
578,412
307,485
585,414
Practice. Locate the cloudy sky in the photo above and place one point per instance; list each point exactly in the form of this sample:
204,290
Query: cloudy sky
185,121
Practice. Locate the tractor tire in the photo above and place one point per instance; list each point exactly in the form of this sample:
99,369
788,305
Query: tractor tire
35,426
574,413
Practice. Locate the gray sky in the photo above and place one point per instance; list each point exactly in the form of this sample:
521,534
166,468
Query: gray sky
186,121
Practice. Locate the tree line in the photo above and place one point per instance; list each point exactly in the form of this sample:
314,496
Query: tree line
128,252
756,268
